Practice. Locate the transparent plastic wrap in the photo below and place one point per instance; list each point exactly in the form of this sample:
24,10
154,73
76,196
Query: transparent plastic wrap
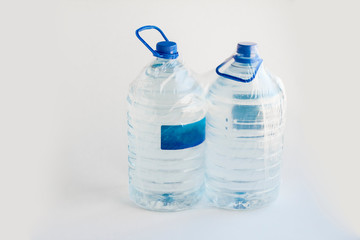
166,133
245,124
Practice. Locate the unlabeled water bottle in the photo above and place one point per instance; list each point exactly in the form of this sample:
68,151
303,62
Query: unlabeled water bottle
166,131
245,123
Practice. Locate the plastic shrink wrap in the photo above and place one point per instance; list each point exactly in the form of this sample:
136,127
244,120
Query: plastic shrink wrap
166,132
245,125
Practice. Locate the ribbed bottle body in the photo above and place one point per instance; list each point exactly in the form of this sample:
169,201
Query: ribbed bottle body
245,124
163,178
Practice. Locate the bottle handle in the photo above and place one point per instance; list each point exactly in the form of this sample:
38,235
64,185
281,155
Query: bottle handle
137,33
233,77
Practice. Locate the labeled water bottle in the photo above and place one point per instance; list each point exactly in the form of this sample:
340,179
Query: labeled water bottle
166,132
245,124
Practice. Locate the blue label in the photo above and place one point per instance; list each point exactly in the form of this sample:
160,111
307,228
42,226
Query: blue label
174,137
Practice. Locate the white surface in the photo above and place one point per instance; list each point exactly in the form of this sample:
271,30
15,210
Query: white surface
65,68
108,214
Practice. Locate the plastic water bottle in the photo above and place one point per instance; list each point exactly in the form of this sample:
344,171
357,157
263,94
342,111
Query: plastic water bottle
245,123
166,131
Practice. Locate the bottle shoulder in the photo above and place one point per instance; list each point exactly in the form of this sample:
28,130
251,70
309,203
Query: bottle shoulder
264,85
165,82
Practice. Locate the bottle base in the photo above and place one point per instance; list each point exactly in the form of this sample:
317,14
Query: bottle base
165,202
242,200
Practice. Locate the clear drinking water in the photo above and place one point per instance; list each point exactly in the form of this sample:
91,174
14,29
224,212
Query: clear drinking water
245,124
166,130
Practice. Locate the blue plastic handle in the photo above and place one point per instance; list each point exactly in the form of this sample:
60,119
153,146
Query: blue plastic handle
137,32
237,78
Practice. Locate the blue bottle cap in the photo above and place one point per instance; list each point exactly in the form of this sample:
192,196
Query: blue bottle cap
164,49
246,52
167,49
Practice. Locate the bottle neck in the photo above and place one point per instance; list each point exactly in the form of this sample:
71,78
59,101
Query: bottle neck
158,59
243,70
253,64
161,67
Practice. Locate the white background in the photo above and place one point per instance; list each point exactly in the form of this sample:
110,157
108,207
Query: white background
65,67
